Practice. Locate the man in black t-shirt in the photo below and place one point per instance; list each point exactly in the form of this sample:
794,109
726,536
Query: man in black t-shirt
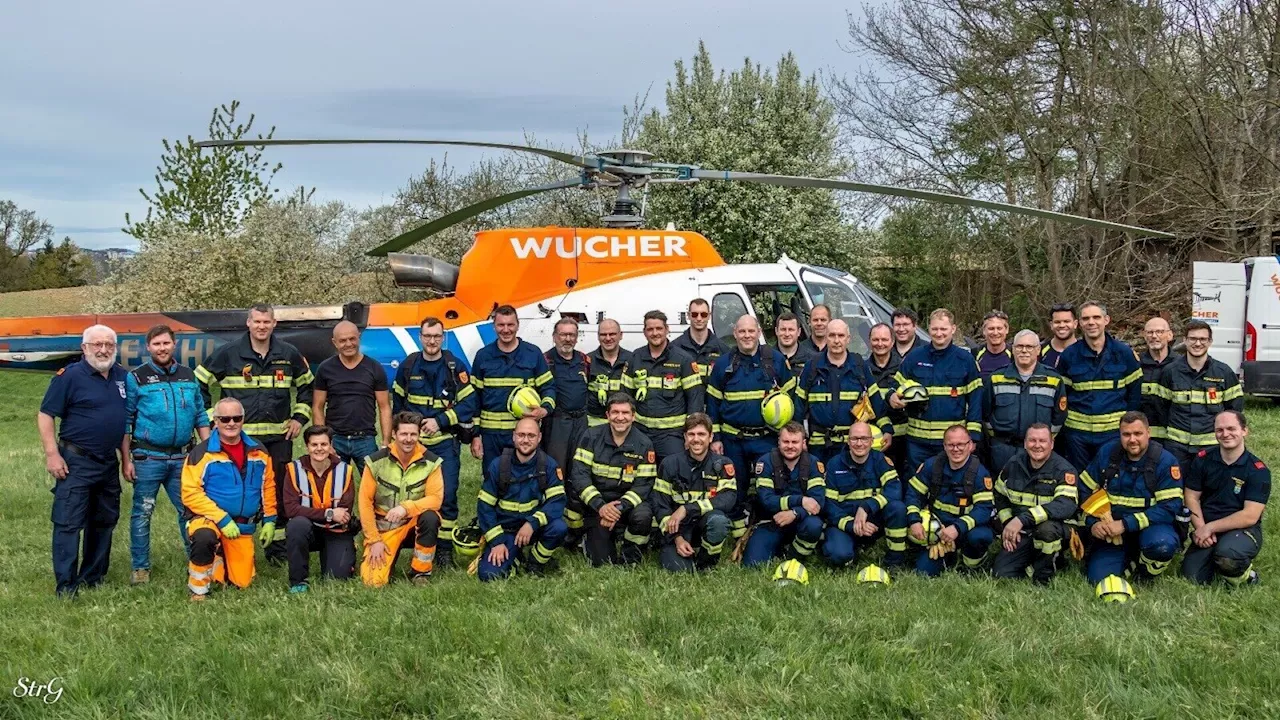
348,388
1227,491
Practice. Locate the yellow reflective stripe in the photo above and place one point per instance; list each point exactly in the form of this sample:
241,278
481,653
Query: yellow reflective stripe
691,382
543,379
704,506
1005,514
947,507
500,382
540,518
888,476
1186,438
784,501
815,482
663,487
661,423
590,493
303,410
553,491
607,471
1194,397
1155,390
517,507
1131,378
815,397
804,394
738,395
1038,514
1088,480
305,378
584,455
203,375
984,496
487,498
918,484
1103,422
1169,494
1129,501
1143,521
266,428
1233,392
646,470
714,392
631,497
493,534
1090,385
833,494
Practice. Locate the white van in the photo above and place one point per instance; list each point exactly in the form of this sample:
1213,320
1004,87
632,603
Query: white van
1241,301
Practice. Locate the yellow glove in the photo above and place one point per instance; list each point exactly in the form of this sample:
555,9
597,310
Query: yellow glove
231,531
266,533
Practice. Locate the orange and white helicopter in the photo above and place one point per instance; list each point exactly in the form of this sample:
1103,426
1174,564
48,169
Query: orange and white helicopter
618,271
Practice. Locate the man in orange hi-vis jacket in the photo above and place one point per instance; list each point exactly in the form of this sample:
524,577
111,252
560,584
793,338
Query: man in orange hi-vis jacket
400,496
228,485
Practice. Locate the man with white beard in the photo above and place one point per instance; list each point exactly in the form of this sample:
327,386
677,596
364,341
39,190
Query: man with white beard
88,397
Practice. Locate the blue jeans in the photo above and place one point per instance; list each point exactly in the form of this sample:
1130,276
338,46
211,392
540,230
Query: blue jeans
354,449
152,474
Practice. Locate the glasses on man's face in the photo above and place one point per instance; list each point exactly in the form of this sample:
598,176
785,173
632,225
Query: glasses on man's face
1155,333
432,337
957,446
230,419
860,438
699,315
567,335
101,345
526,436
1197,340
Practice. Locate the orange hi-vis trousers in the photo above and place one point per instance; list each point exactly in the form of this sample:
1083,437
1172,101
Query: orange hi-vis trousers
423,531
216,558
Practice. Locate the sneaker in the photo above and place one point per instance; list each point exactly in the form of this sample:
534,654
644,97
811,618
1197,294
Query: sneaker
538,569
140,577
631,554
299,588
1253,579
422,578
444,557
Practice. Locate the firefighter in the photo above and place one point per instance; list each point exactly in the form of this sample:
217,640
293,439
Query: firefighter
228,486
666,385
863,502
571,372
1019,396
956,490
498,370
739,382
698,342
1139,535
521,506
691,499
787,328
1103,382
905,321
884,364
819,321
994,354
613,473
1159,337
1062,333
790,492
609,365
1035,493
951,378
400,497
1227,492
319,507
831,391
434,383
1192,391
264,373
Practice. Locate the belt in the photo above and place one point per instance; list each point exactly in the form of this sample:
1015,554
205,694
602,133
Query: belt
75,449
1006,439
356,437
572,414
752,433
142,445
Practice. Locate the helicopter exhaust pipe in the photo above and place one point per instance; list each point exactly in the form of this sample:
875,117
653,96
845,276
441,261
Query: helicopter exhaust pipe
423,271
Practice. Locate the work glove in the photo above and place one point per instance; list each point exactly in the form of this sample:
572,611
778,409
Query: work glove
266,533
231,531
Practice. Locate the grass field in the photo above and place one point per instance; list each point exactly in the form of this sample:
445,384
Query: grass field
57,301
613,643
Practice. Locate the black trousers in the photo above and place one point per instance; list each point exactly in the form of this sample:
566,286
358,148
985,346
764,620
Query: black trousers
1230,557
560,436
86,508
599,542
1037,549
337,551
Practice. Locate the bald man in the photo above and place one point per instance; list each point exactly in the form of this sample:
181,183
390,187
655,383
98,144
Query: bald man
1159,337
349,387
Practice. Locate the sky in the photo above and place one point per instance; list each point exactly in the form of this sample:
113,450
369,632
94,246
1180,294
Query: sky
91,88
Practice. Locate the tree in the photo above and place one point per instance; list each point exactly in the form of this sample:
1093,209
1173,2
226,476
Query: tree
20,230
207,190
752,120
57,266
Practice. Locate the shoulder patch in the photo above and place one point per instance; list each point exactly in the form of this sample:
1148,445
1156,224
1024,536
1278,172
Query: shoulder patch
760,468
1062,403
1069,478
1202,453
61,370
986,482
651,456
1260,465
1175,471
463,377
728,469
821,468
559,474
888,461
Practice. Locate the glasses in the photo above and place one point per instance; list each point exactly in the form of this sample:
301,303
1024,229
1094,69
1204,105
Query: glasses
1026,348
100,345
699,314
526,436
1197,340
957,446
995,314
860,438
230,419
1158,332
567,335
1063,307
433,337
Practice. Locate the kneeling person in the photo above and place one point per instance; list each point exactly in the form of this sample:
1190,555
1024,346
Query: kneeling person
692,497
400,496
521,501
1227,491
227,485
864,501
790,491
956,490
613,474
1035,493
318,500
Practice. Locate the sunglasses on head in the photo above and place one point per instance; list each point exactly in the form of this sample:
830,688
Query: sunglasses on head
229,419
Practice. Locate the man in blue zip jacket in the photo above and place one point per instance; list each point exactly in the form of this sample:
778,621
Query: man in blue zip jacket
957,491
790,492
164,409
864,502
521,506
832,384
1104,381
499,369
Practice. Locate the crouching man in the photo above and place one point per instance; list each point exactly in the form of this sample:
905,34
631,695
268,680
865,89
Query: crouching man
521,507
692,497
1035,493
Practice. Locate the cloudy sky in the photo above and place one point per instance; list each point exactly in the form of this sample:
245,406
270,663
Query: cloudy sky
90,88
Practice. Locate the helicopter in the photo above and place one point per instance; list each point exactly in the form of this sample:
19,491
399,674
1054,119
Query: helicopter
620,271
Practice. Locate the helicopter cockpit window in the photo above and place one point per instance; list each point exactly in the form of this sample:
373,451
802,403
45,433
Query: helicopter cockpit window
726,308
841,298
770,301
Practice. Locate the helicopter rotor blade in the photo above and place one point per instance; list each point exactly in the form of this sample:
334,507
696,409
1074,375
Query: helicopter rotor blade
586,162
930,195
432,227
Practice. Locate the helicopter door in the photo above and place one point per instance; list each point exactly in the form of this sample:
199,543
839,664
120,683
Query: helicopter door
728,303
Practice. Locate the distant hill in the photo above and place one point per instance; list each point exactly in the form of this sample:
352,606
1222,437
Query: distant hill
103,258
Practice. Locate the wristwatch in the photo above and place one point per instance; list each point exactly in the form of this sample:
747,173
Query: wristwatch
328,515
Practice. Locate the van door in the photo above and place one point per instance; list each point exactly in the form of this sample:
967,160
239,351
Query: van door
1218,298
1262,327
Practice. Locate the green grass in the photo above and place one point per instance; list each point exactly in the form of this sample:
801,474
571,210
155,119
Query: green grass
56,301
613,643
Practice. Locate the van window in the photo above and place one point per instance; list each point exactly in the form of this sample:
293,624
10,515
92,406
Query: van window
726,308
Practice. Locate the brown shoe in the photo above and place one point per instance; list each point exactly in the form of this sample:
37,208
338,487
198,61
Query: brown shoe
422,579
195,597
140,577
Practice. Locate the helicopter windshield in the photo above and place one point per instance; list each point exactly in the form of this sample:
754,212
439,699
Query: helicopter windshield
845,303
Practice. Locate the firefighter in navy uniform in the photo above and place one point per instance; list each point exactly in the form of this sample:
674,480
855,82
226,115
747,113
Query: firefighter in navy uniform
520,505
698,342
1140,534
1019,396
1154,358
264,373
798,354
790,493
1227,491
884,364
1193,390
612,476
994,354
1036,492
666,386
435,384
569,370
956,490
864,502
609,365
691,499
499,369
1103,382
739,382
830,391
